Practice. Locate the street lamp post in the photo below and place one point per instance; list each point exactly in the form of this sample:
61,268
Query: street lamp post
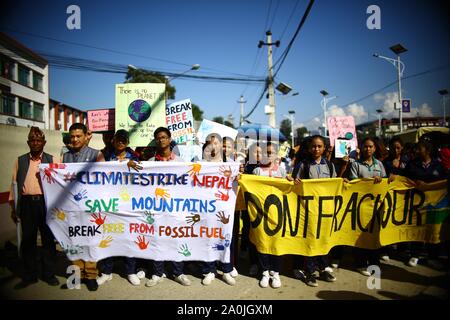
400,66
324,106
444,93
292,116
379,112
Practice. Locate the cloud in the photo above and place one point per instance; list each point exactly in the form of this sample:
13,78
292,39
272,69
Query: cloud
388,107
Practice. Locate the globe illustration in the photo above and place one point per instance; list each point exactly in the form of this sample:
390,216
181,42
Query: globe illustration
139,110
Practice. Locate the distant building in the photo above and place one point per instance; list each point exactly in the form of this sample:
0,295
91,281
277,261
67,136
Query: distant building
63,116
389,127
24,98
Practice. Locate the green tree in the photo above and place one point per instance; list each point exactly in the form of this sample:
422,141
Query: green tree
218,120
144,76
197,113
301,132
228,124
285,128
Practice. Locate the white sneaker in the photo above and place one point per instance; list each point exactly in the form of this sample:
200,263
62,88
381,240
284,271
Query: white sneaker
208,279
385,258
264,282
276,281
253,270
182,279
154,281
234,273
229,279
141,274
103,278
335,264
364,272
413,262
134,279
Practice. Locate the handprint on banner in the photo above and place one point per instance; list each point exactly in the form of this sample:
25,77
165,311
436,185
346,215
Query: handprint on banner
149,216
162,193
80,195
124,195
141,242
222,218
70,176
222,196
195,169
193,219
105,242
226,172
57,165
184,250
219,247
48,174
99,220
61,215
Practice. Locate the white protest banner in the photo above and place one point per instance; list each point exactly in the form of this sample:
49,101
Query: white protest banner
179,121
140,109
208,127
342,128
168,211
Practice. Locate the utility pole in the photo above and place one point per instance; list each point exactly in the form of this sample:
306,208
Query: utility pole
272,115
242,102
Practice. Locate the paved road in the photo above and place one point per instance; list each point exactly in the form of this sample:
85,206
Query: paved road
398,281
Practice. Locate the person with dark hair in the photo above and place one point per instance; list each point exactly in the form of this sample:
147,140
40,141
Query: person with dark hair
228,149
252,161
315,167
80,152
367,167
107,141
270,264
381,152
397,160
423,170
163,139
31,212
120,152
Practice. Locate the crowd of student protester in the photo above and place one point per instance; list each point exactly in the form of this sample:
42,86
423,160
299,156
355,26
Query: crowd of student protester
424,163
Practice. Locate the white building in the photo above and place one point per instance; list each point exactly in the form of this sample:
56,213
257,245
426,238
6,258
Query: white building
24,98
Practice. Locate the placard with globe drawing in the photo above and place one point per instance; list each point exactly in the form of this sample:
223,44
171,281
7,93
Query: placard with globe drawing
140,109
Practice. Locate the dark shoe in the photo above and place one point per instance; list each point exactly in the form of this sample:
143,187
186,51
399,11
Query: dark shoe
327,276
310,280
25,283
52,281
92,284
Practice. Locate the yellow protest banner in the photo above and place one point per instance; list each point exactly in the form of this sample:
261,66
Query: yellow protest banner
316,215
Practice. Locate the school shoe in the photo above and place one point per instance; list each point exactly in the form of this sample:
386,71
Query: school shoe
154,281
326,275
310,280
253,270
364,272
229,279
103,278
182,279
51,281
276,281
92,284
209,277
134,279
385,258
299,274
234,273
141,274
264,282
413,262
335,264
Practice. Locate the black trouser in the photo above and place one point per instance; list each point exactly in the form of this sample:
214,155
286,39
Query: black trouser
269,262
32,216
311,264
177,268
245,240
365,257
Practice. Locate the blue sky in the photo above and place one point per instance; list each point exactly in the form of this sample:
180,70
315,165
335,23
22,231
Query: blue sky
333,51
